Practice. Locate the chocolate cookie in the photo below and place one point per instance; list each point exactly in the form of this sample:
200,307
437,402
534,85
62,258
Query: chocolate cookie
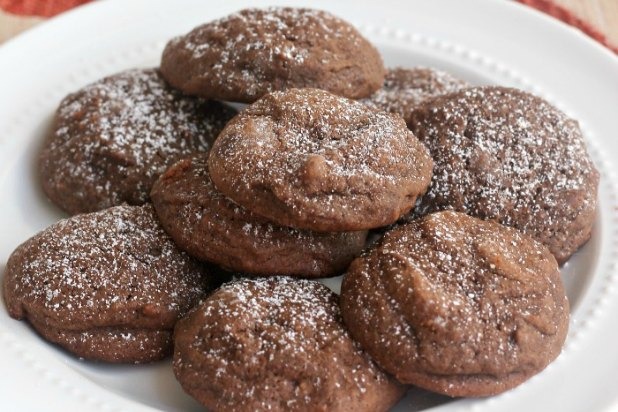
507,155
312,160
405,88
106,286
245,55
112,139
276,344
211,227
457,305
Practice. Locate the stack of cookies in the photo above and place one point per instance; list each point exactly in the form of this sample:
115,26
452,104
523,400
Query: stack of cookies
196,227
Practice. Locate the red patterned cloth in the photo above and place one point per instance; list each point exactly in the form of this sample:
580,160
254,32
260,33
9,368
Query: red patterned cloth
41,8
559,12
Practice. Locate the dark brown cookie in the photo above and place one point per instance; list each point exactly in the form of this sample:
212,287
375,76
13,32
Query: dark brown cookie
112,139
211,227
405,88
312,160
245,55
276,344
457,305
507,155
106,286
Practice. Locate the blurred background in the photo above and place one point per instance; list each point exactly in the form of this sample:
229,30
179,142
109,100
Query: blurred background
597,18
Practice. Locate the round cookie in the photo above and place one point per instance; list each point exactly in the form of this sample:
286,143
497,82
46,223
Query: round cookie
106,286
250,53
211,227
276,344
506,155
308,159
405,88
113,138
457,305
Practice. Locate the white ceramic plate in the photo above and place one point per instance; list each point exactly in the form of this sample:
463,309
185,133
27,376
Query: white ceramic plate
482,41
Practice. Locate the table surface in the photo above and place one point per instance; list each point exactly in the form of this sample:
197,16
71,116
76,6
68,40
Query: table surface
602,15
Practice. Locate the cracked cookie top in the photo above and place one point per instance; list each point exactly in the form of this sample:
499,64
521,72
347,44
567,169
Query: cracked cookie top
312,160
457,305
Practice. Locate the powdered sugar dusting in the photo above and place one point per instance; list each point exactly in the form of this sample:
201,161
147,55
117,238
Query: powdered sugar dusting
504,154
109,344
272,342
212,227
246,48
318,153
111,268
459,296
115,136
405,88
